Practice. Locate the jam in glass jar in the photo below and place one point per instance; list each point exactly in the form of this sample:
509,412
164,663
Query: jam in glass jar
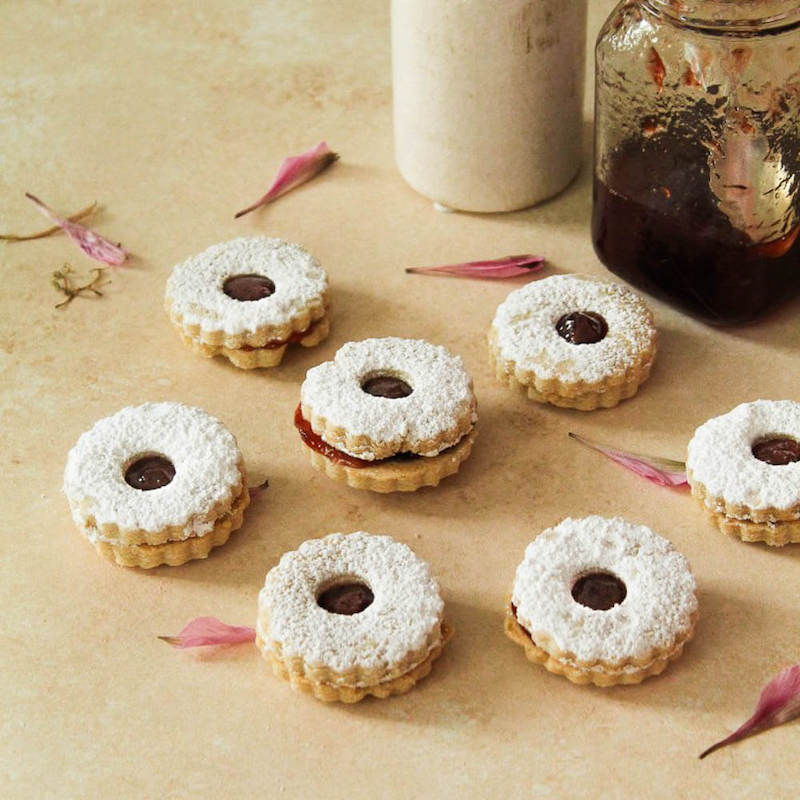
697,153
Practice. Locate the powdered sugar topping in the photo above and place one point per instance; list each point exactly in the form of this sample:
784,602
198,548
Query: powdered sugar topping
405,615
660,598
720,455
525,327
442,395
195,288
203,452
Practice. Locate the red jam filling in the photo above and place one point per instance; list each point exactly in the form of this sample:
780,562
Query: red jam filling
521,626
316,442
248,288
777,450
346,598
582,327
386,386
599,591
294,336
150,472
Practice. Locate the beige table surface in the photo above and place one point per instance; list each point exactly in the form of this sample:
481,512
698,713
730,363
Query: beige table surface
173,116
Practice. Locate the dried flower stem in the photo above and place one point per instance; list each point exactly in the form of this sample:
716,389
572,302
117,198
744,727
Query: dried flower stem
63,281
17,237
93,244
255,491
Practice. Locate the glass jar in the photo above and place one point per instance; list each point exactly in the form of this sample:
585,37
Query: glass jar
697,152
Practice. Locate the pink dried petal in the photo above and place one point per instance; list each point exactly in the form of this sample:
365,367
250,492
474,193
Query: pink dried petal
294,171
663,471
779,702
205,631
505,267
93,244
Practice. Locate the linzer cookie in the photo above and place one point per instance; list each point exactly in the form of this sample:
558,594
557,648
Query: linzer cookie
160,483
744,467
388,415
602,601
248,299
351,615
573,341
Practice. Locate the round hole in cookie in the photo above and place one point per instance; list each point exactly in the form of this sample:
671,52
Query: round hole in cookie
582,327
346,595
776,449
386,384
599,590
248,287
149,471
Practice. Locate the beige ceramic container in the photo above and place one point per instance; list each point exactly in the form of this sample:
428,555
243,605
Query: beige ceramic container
488,99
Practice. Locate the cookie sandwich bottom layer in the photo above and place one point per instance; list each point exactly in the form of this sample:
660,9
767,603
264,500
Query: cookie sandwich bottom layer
269,355
402,473
329,693
774,534
175,553
600,674
581,396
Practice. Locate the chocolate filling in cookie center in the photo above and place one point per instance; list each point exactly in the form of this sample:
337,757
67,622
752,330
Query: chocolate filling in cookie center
582,327
599,590
386,386
346,598
150,472
247,288
777,450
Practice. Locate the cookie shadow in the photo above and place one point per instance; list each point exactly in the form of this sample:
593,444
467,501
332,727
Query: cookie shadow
695,681
446,698
703,355
296,361
242,561
789,551
643,414
777,330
